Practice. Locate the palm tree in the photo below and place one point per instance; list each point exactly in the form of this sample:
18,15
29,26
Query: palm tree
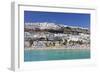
30,41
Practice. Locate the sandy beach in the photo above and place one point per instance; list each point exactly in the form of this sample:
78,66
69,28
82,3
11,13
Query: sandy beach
60,47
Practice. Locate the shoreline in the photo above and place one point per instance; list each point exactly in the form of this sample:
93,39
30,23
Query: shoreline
58,48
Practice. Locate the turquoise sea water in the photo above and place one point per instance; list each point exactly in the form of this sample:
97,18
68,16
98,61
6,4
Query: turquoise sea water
55,54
